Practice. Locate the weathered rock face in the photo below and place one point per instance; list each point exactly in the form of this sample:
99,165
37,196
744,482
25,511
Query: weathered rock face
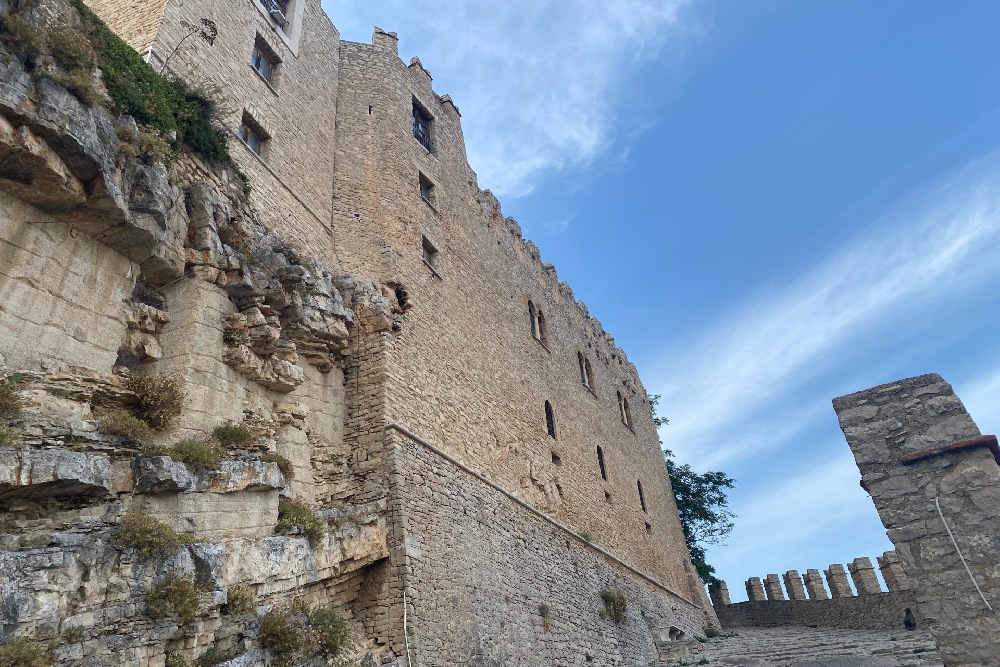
51,473
65,483
161,474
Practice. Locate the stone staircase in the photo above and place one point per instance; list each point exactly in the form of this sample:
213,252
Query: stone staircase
810,647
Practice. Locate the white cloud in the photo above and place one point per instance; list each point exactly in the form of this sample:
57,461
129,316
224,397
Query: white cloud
933,248
536,80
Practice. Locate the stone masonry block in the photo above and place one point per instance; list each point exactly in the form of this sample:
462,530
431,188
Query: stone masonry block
836,579
793,584
814,584
772,586
863,574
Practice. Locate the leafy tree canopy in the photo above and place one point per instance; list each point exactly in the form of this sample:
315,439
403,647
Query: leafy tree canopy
702,504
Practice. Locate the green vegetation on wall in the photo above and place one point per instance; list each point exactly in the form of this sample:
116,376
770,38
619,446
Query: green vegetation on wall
138,90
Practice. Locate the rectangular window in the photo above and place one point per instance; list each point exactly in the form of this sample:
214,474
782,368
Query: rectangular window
430,252
422,125
251,139
278,10
264,61
253,136
426,189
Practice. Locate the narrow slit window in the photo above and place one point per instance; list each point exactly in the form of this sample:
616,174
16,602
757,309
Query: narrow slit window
626,411
583,369
550,420
600,462
642,497
589,372
533,316
541,328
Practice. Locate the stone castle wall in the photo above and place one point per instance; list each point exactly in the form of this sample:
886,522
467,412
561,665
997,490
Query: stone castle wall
467,340
305,310
355,167
291,180
462,543
796,600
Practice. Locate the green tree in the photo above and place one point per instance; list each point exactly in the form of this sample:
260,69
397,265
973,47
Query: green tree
702,504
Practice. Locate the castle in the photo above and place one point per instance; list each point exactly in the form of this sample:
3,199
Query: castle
482,455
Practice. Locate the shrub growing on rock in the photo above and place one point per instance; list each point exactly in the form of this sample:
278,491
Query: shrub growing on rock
161,398
614,605
26,653
294,632
124,425
284,465
298,517
10,402
233,434
175,595
214,656
330,629
240,599
149,536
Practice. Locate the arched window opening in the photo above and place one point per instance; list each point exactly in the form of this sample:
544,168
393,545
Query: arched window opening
642,498
600,462
550,420
533,315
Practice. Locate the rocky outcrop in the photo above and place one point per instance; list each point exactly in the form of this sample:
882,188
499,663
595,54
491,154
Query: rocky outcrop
47,473
162,474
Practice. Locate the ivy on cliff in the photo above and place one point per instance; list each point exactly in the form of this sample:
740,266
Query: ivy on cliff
167,104
702,504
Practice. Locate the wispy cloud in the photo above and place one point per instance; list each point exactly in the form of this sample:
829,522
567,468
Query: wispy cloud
933,247
809,520
981,395
536,80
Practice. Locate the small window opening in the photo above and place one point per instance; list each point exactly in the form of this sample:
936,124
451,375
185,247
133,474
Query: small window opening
600,462
369,110
541,329
642,497
649,528
264,61
607,497
556,460
253,136
422,125
589,372
550,420
533,316
626,411
583,369
426,189
278,10
430,252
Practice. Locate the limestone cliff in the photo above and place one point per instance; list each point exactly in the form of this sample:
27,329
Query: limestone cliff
151,328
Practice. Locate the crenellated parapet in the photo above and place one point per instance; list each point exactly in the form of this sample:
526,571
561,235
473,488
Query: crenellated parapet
794,599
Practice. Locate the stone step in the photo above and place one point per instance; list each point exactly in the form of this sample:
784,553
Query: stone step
811,647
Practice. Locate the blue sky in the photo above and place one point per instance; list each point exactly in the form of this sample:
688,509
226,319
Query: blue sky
768,204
